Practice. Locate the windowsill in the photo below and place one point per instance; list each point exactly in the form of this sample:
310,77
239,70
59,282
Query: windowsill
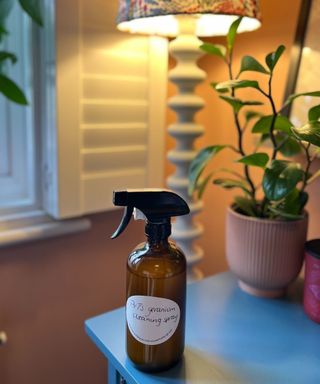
37,226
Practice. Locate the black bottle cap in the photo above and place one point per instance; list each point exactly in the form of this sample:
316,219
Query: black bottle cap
313,248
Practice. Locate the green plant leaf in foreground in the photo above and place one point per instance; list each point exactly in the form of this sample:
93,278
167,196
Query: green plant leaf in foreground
12,91
199,163
231,36
4,55
245,206
295,202
33,9
3,32
309,133
214,84
202,184
259,159
231,184
314,113
280,179
263,125
235,84
249,63
237,104
250,115
214,49
292,206
273,57
288,145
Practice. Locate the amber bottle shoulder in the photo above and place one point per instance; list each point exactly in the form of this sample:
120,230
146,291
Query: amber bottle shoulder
157,261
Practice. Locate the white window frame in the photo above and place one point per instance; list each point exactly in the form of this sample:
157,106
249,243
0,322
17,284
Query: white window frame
66,192
25,219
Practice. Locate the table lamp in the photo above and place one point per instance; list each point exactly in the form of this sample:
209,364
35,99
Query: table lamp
186,20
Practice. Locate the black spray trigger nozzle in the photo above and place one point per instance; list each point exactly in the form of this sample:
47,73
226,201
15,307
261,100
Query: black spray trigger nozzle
156,207
124,221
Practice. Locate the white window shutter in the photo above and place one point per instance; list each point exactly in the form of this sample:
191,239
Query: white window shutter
110,103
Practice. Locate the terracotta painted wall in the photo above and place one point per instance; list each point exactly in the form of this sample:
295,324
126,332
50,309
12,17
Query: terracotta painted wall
48,288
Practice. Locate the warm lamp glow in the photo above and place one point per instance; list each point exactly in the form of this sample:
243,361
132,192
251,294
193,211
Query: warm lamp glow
207,25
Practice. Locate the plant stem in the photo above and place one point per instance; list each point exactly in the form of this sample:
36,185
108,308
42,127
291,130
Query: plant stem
274,112
309,162
240,136
276,147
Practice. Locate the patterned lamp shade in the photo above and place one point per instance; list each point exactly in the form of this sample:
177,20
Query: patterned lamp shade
214,16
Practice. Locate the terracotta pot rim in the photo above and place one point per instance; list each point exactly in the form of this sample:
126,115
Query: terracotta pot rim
266,221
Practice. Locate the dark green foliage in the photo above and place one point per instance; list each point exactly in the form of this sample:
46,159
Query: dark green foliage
283,180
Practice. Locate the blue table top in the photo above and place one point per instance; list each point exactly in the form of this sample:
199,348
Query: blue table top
231,337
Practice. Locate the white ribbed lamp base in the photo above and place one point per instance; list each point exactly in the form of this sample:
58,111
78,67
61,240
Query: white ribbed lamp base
186,76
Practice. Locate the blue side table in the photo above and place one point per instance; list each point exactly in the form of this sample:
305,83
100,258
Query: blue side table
231,337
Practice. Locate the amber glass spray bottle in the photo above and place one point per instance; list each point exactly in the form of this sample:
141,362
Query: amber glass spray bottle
156,281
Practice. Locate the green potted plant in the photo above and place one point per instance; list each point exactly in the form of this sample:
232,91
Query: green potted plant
267,223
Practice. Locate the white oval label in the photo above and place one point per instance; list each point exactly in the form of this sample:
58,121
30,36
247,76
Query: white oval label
152,320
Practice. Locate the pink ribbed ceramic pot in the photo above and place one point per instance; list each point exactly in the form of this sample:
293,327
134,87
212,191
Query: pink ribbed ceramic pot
265,255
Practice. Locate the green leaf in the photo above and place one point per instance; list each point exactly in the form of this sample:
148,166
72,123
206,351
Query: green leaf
295,202
231,36
231,183
33,9
249,63
7,56
12,91
237,104
235,84
259,159
290,146
284,215
291,98
280,179
214,49
314,113
309,133
199,163
291,207
245,206
214,84
250,115
203,184
263,125
3,33
5,8
273,57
